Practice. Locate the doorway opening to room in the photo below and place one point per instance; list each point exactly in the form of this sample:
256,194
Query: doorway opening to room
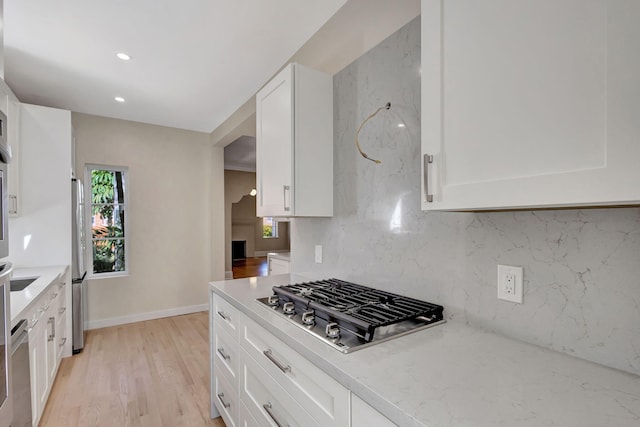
249,240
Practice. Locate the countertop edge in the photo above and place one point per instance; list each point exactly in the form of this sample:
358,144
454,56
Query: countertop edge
47,277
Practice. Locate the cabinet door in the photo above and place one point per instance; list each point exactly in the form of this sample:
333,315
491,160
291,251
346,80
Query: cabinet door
278,266
38,360
13,139
530,104
274,145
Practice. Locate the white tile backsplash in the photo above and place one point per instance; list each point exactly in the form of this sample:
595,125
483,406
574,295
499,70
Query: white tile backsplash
581,267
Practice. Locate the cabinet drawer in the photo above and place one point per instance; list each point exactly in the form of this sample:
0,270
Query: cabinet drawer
245,419
268,402
226,316
226,355
226,399
324,398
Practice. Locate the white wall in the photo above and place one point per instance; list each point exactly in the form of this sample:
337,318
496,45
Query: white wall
170,173
41,235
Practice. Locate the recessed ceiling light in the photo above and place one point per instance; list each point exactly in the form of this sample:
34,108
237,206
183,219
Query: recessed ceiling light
123,56
119,99
401,125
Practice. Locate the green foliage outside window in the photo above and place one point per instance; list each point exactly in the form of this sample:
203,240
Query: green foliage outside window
107,205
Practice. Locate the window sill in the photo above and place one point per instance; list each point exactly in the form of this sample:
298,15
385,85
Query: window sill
95,276
270,237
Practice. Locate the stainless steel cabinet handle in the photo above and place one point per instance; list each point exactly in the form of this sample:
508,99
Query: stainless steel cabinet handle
267,407
224,355
224,316
285,188
62,310
13,204
221,399
62,341
427,159
280,366
52,322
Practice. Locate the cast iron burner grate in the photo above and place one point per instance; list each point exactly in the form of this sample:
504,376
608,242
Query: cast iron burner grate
358,309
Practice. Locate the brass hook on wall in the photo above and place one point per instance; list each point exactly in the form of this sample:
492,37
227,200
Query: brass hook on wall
387,107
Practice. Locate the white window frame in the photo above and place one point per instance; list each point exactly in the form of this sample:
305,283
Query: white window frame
89,219
274,228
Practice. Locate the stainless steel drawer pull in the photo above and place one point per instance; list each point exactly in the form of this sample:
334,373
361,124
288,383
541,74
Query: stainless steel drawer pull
280,366
224,355
268,407
221,399
224,316
52,322
427,160
285,188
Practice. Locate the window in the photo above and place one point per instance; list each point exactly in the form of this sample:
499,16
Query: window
269,228
107,191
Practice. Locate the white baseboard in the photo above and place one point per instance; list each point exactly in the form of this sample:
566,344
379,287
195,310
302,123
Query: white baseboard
140,317
228,275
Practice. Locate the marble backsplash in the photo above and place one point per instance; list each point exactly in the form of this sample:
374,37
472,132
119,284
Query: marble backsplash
581,267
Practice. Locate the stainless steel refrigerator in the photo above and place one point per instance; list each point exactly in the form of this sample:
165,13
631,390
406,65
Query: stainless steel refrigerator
78,270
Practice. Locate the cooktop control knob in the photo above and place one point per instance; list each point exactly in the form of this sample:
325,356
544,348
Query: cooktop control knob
273,300
309,318
288,308
332,330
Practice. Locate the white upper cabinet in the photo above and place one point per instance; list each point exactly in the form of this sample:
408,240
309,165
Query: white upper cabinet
530,104
10,106
294,144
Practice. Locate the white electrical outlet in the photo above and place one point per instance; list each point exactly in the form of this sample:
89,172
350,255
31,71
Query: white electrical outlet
510,283
318,254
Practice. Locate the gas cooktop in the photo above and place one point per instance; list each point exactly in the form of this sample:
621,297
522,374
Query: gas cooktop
349,316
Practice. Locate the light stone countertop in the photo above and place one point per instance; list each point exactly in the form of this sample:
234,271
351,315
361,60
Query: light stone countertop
22,300
455,374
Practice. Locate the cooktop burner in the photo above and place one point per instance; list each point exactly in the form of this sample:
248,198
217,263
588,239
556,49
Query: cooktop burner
350,316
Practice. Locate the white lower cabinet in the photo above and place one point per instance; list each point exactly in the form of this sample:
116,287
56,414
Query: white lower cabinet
323,397
258,380
226,398
47,338
278,265
269,404
245,417
363,415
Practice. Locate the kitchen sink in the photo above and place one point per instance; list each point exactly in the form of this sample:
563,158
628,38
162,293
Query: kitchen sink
20,284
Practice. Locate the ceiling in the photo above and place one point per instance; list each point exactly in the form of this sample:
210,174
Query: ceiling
240,155
194,62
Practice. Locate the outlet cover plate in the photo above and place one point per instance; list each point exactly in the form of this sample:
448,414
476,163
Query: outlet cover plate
510,283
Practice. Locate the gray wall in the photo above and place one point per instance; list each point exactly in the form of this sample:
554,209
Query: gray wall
581,267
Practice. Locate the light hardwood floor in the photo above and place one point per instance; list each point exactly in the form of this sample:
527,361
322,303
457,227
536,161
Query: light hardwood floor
153,373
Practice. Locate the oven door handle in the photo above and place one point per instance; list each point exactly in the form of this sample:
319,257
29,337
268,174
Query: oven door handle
269,355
